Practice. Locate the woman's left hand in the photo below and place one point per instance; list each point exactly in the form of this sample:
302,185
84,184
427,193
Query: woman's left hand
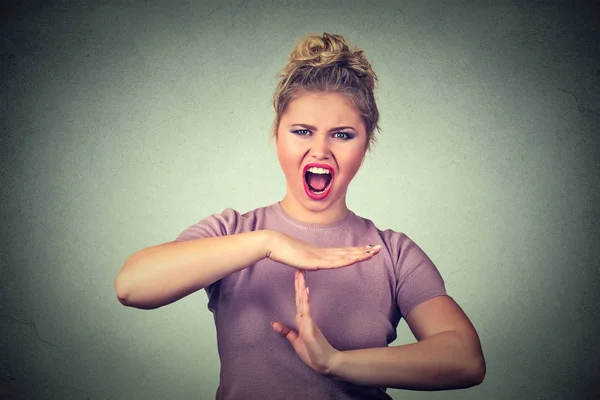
308,342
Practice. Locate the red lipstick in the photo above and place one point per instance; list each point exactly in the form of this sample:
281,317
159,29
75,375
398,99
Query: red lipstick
319,196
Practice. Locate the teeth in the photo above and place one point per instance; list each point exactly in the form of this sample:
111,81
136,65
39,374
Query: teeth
317,170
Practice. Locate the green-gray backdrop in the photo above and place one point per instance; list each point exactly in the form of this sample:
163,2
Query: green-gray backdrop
122,123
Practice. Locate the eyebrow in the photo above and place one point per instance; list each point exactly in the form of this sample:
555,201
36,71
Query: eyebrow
337,128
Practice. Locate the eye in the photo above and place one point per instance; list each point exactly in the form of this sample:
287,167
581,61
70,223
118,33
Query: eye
343,135
301,132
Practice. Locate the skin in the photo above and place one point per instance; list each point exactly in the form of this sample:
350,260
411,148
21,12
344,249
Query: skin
448,353
324,144
308,341
162,274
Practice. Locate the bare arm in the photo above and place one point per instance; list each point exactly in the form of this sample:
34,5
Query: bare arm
159,275
447,356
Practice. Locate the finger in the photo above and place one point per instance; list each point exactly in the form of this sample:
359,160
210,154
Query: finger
361,256
367,250
353,248
343,260
296,289
302,282
285,331
351,252
304,293
336,258
306,309
301,290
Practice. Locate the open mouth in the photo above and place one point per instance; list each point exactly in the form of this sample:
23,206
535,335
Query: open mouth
317,180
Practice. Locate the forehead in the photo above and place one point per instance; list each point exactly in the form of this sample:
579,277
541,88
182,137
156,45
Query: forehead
322,109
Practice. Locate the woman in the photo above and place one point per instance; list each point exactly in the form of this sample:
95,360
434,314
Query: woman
333,338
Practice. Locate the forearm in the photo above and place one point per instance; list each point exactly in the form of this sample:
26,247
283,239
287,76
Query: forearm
447,360
162,274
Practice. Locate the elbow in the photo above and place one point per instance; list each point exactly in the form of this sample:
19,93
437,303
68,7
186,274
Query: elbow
125,290
473,367
481,370
122,290
122,283
474,373
130,292
128,299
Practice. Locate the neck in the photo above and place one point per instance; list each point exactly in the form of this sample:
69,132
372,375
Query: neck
320,213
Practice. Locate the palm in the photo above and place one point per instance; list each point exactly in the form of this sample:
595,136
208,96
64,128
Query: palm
300,348
299,254
308,341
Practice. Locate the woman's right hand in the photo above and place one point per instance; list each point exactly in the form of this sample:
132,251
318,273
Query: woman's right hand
301,255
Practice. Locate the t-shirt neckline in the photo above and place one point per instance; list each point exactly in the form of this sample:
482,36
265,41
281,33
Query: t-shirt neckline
277,209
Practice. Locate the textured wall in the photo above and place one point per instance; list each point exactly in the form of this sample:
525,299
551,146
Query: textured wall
122,124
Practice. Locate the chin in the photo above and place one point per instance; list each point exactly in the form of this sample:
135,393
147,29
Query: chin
318,205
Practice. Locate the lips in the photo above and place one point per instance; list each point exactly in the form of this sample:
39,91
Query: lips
319,196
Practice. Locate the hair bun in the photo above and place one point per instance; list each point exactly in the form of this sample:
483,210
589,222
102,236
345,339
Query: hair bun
325,63
320,51
316,51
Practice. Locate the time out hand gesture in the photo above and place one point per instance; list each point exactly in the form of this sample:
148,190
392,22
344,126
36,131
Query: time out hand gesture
298,254
308,341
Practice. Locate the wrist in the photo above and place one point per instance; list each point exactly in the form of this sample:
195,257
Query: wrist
335,362
269,238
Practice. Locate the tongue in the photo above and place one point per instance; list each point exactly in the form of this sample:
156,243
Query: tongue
317,181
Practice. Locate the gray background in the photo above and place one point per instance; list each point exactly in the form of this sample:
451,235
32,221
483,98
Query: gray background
124,123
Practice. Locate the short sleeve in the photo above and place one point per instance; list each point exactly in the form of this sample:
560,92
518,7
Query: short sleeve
214,225
417,278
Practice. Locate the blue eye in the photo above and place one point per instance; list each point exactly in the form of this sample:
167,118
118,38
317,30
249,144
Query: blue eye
346,135
301,132
337,135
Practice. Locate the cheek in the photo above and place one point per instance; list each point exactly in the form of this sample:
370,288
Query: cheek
287,158
352,164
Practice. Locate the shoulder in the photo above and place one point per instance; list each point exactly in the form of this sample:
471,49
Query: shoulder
404,251
393,240
228,222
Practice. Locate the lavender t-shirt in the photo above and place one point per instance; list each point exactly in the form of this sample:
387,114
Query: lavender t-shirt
355,307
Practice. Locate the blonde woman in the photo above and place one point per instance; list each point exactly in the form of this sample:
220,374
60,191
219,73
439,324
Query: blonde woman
278,338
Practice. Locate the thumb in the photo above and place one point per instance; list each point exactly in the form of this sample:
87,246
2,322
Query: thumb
284,331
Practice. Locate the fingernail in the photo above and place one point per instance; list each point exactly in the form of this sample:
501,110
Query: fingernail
369,251
371,245
307,290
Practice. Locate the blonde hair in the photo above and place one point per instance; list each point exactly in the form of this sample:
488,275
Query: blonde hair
327,64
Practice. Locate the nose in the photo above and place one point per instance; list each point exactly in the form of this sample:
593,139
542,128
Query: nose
320,146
